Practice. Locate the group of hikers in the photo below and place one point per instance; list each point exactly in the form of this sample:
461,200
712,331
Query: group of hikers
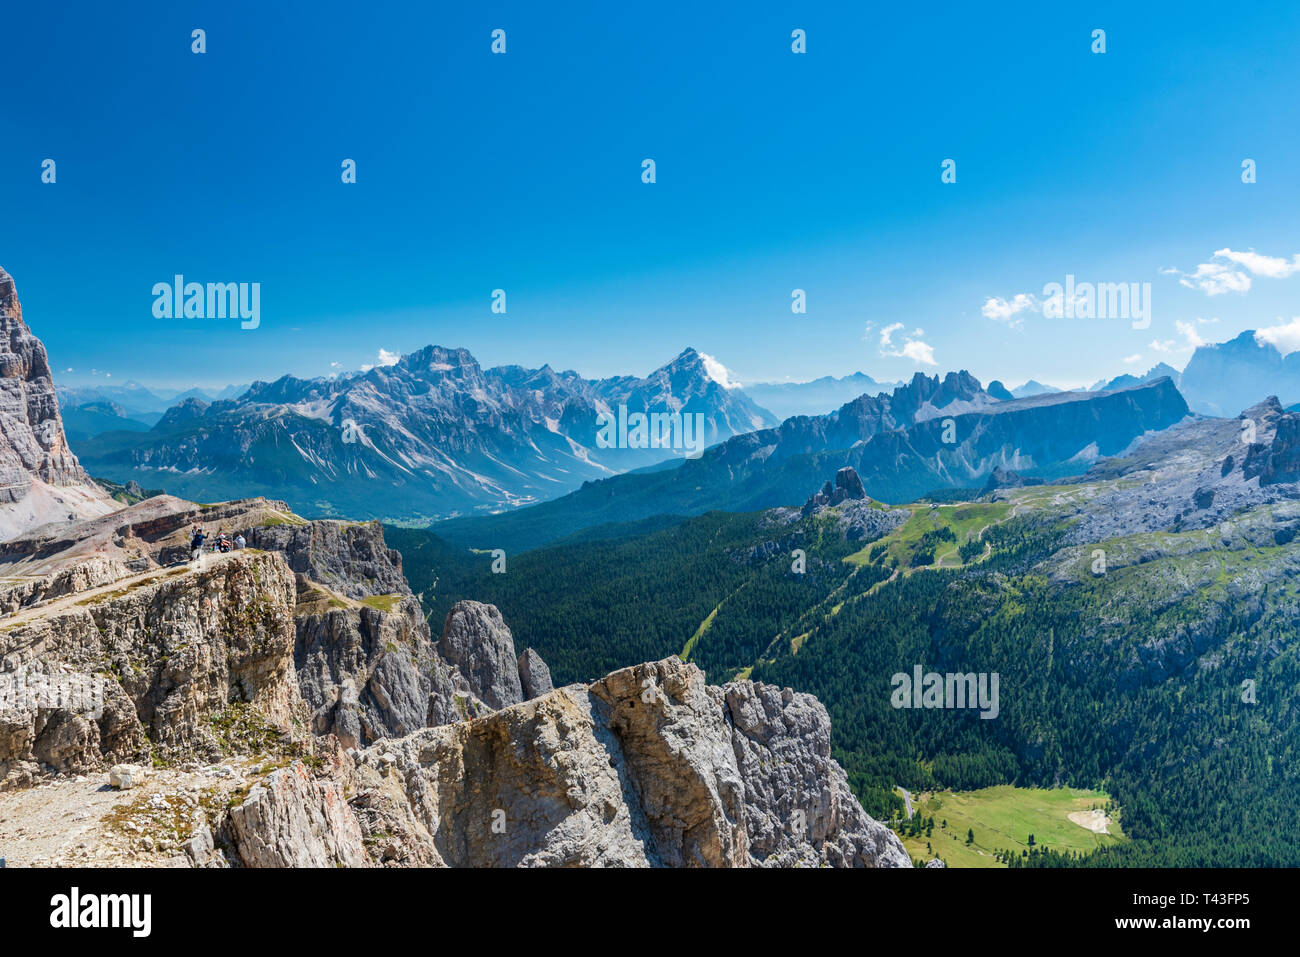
222,543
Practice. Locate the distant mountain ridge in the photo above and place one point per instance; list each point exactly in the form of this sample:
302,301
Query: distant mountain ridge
930,434
431,435
1225,377
817,397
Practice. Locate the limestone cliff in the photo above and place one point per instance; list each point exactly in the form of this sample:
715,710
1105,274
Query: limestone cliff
40,479
646,767
345,735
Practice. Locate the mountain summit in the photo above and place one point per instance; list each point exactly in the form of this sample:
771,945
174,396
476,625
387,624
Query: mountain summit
40,479
433,434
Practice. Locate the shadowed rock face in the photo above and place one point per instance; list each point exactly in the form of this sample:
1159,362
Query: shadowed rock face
476,640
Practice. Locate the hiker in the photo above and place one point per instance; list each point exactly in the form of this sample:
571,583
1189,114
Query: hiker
196,543
239,540
223,544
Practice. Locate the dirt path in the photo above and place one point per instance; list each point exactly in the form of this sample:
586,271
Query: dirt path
81,821
65,602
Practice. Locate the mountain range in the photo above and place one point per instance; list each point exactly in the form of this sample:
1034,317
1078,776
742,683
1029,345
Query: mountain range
432,435
932,433
816,397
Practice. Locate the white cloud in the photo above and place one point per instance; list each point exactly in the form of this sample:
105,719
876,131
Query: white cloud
1227,271
1135,357
1188,331
386,358
1167,345
912,348
919,351
1007,310
1285,338
718,372
1271,267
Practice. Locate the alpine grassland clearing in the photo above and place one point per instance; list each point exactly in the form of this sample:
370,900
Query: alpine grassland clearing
1002,819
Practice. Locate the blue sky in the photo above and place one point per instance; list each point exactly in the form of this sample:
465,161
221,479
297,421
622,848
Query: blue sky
522,171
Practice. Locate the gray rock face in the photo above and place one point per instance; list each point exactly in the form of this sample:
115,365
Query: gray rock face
534,674
1277,460
295,820
799,809
170,653
31,430
348,557
40,479
647,767
475,640
368,674
848,487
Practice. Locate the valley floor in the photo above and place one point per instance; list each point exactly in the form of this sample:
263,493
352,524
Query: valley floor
1003,817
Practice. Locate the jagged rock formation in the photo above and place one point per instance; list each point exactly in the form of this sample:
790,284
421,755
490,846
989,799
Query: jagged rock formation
847,486
295,820
647,767
476,640
458,753
40,479
365,665
171,654
1275,459
534,674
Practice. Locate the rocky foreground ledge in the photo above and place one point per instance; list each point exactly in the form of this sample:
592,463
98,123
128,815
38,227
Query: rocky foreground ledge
649,766
287,706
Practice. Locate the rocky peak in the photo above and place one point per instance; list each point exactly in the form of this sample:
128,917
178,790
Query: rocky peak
848,487
40,478
1273,458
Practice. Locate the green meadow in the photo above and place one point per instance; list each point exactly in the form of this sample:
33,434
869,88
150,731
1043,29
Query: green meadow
1002,818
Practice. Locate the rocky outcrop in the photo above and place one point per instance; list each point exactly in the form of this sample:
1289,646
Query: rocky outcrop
295,820
1008,478
799,809
40,479
646,767
475,640
347,557
458,753
367,674
1274,459
170,653
848,487
534,674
